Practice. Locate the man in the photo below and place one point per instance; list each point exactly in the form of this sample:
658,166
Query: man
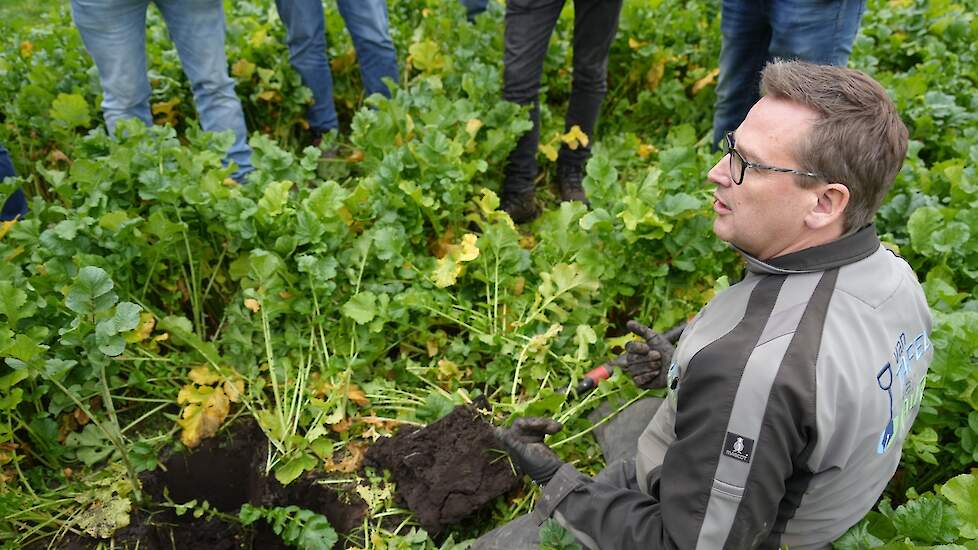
529,24
755,32
790,393
368,25
114,33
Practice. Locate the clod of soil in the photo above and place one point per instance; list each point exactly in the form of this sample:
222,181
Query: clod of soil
448,470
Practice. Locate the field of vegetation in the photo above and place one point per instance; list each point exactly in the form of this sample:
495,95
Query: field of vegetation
148,304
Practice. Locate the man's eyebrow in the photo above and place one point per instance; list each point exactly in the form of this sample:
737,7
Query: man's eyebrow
744,151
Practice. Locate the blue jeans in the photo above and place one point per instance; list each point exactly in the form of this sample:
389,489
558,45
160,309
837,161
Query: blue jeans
16,205
114,32
475,7
367,22
757,31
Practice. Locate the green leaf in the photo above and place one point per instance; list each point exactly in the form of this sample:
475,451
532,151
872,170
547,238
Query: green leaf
12,300
56,369
553,536
287,473
71,110
317,534
249,514
923,223
927,519
92,292
362,308
274,199
962,491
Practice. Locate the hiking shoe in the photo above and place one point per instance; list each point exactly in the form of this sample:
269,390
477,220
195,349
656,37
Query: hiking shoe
569,183
521,207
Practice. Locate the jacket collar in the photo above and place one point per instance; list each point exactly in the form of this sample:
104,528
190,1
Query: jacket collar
837,253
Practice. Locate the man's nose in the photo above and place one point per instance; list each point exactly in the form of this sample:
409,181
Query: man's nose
720,173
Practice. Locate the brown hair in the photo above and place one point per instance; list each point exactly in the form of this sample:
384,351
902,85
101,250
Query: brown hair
859,139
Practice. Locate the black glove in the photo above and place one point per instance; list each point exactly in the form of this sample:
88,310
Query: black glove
648,362
524,443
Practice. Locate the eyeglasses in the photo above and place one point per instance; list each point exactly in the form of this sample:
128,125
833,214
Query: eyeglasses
739,165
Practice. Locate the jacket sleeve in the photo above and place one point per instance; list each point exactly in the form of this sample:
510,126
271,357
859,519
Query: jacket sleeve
712,491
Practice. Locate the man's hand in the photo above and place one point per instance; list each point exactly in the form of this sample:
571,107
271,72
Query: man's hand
647,362
524,443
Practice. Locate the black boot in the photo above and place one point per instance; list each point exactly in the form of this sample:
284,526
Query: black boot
569,178
521,207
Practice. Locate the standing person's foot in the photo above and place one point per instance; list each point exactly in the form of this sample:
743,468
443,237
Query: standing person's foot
569,183
521,207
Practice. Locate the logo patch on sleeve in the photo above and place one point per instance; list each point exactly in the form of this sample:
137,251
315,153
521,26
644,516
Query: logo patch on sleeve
738,447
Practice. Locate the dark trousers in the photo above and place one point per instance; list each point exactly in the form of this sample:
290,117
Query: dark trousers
15,205
529,25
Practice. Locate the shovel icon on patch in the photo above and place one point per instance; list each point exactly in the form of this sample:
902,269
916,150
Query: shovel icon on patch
887,434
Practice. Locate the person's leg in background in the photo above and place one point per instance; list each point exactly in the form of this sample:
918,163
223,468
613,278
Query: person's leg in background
15,207
197,29
370,30
746,37
474,7
815,31
529,24
306,30
114,33
595,25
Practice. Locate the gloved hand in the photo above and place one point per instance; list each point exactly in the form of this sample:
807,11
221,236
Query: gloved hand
524,443
648,362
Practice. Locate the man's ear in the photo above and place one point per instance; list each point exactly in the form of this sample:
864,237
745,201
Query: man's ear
832,199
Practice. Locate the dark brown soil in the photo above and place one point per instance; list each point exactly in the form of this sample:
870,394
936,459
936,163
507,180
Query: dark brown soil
448,470
226,471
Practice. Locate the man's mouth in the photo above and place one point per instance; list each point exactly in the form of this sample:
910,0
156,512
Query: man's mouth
720,207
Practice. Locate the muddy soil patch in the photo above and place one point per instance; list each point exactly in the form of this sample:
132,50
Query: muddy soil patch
226,471
448,470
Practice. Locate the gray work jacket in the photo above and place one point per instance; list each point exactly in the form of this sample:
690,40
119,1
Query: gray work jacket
790,395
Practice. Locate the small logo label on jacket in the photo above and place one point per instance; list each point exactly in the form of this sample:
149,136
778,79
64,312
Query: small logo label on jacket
738,447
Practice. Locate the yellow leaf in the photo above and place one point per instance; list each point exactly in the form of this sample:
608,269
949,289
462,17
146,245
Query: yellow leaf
432,347
166,111
5,227
349,464
243,69
202,375
654,76
449,267
206,409
270,96
26,49
252,304
472,126
468,251
234,390
645,150
258,38
142,331
355,394
710,78
447,369
548,151
634,44
575,138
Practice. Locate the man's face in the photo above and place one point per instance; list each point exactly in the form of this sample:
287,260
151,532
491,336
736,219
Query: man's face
764,216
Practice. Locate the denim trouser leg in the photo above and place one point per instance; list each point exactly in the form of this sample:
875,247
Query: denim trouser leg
114,33
529,24
304,24
475,7
197,30
746,36
370,30
595,24
15,206
755,31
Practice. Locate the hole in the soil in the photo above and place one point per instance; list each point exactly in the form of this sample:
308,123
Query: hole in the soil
221,475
